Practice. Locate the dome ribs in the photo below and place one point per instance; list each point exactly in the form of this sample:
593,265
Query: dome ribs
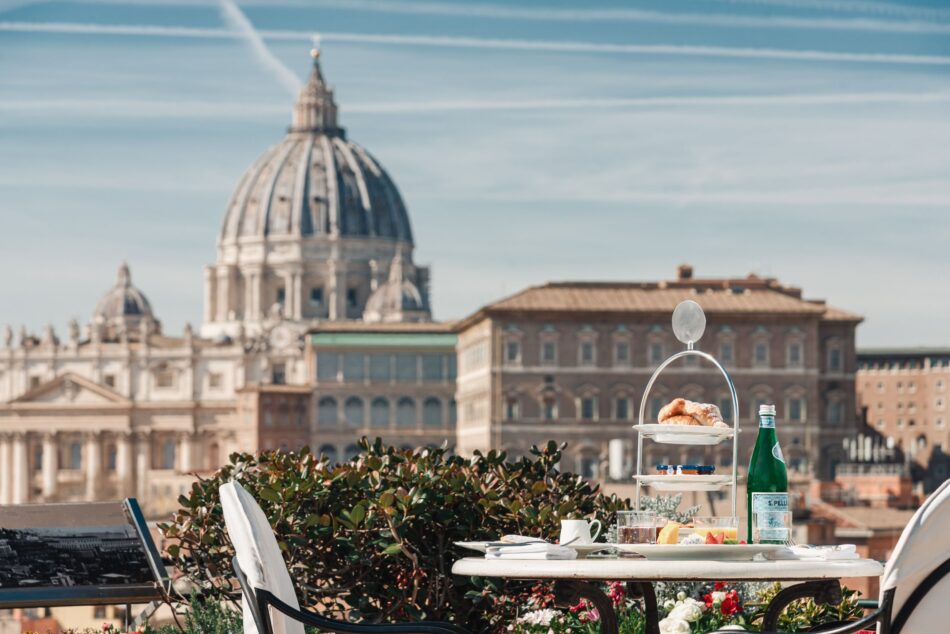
357,170
299,220
267,198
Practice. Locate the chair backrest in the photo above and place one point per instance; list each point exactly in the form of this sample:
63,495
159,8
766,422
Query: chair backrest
258,555
923,548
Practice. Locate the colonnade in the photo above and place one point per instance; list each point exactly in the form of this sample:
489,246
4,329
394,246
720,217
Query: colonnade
53,456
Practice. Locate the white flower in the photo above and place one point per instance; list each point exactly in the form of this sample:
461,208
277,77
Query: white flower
680,595
736,628
669,604
674,626
539,617
718,597
686,611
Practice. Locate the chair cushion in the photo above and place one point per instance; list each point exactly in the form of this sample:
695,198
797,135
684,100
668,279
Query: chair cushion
923,546
258,555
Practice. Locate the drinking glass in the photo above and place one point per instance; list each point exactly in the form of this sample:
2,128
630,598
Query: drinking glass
636,527
727,526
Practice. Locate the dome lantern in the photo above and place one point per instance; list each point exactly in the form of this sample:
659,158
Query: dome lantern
315,110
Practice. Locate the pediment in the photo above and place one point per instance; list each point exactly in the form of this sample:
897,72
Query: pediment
69,389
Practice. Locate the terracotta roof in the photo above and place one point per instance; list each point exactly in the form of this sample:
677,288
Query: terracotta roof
657,298
869,517
362,326
836,314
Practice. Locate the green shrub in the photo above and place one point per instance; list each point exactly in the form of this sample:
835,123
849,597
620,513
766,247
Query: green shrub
372,538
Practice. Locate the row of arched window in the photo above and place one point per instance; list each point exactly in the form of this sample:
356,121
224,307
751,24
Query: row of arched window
350,451
404,412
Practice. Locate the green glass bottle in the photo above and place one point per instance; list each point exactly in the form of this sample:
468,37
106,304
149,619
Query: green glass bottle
769,517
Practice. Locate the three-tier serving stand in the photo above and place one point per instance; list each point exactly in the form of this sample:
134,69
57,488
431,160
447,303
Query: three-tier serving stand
689,323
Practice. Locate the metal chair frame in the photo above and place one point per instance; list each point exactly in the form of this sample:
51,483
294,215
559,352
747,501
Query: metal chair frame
260,602
882,615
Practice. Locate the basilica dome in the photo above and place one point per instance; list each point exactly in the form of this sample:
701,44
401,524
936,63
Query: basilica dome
312,230
124,310
316,182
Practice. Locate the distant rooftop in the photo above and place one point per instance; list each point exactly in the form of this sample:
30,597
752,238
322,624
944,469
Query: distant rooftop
751,294
868,354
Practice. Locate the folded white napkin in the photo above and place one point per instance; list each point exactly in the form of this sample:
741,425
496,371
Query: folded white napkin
520,547
824,553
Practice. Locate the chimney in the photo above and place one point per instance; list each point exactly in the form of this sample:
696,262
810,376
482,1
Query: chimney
684,272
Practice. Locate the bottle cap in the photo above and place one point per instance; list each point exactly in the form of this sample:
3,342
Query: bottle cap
766,410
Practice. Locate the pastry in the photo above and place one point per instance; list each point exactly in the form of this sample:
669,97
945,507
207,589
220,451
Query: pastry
680,419
705,413
676,407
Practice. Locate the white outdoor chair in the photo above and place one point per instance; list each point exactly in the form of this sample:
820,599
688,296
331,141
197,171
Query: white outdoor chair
269,602
915,588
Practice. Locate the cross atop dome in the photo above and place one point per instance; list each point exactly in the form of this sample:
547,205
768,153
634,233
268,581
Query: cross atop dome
315,110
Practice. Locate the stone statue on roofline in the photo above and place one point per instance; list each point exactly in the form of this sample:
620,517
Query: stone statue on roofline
49,336
73,330
8,337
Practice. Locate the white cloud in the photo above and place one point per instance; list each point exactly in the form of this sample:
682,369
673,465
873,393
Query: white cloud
559,46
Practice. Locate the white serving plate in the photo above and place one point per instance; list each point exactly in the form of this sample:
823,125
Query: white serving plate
741,552
582,549
686,482
685,434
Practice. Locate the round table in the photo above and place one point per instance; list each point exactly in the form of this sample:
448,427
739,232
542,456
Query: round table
573,579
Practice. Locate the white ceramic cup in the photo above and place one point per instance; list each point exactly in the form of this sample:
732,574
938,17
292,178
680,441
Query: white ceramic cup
579,529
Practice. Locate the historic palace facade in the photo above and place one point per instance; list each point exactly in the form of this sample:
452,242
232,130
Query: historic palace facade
570,361
317,329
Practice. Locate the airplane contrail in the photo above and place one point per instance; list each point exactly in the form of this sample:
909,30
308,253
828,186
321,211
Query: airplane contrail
552,14
240,23
132,108
560,46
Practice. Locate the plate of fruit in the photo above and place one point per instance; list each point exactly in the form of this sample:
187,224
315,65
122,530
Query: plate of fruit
689,541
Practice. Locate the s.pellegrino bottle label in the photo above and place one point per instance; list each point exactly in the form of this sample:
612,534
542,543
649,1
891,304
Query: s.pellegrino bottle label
767,504
769,512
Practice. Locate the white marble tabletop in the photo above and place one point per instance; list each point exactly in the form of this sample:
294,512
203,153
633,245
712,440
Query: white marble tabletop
666,570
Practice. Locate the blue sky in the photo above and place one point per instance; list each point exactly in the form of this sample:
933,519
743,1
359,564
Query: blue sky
531,141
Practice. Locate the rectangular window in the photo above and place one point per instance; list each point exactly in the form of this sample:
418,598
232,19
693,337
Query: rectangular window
379,368
451,366
512,352
656,352
279,374
511,409
316,297
622,353
328,366
587,408
760,353
550,410
726,352
794,355
214,380
587,353
432,367
34,382
656,404
795,409
351,298
406,368
353,369
725,408
548,353
834,359
622,409
164,378
281,295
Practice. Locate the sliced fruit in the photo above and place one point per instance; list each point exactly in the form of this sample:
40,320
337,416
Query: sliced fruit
670,534
711,539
